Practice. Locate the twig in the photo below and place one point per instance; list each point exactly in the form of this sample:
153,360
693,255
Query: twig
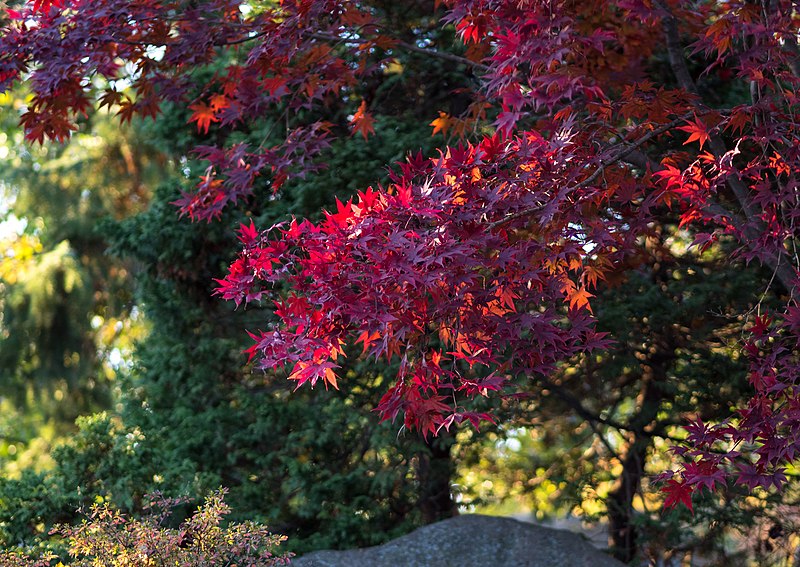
619,156
406,46
592,417
677,61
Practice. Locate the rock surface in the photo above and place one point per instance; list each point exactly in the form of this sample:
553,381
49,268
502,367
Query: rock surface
471,541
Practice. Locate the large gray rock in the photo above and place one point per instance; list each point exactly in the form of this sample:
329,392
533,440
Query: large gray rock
471,541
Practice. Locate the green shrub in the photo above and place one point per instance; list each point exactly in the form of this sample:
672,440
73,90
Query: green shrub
106,537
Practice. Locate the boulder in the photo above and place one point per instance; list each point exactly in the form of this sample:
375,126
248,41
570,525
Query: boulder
471,541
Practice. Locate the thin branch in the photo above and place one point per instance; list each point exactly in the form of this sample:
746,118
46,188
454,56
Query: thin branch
629,149
638,158
242,39
643,161
677,60
443,55
407,47
573,402
616,158
337,38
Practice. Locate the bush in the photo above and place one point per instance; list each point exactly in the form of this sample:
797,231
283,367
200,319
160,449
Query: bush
106,537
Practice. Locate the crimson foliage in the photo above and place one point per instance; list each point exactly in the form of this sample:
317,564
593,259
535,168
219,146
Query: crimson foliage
476,266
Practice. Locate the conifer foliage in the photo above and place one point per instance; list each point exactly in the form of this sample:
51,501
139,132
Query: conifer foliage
478,265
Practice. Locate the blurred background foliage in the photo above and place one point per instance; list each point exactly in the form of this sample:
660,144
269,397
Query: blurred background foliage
120,374
66,307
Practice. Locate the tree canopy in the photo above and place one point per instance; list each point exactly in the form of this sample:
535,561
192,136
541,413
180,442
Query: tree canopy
584,148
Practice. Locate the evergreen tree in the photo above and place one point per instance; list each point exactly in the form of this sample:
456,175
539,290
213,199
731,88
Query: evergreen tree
67,315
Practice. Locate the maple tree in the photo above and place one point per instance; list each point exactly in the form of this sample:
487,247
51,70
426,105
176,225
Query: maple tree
320,467
480,264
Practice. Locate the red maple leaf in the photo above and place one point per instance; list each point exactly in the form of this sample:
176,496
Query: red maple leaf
426,414
248,234
738,120
43,6
472,30
677,493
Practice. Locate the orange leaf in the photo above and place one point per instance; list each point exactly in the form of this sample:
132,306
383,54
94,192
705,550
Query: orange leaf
441,124
697,130
367,338
362,121
593,273
579,298
219,102
330,378
204,115
507,297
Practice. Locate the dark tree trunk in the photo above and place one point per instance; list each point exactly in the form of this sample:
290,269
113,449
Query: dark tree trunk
434,473
620,503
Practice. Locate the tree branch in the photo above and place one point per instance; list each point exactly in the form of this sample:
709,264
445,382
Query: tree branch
616,158
675,51
407,47
749,227
582,411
